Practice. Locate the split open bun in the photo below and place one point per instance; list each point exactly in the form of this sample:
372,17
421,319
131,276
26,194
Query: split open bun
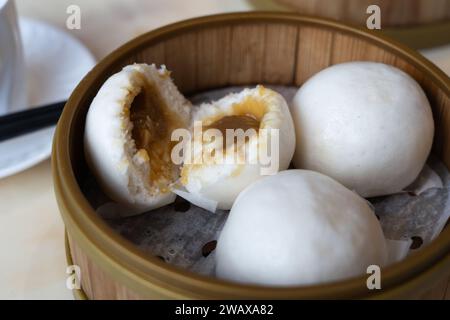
129,147
128,136
257,108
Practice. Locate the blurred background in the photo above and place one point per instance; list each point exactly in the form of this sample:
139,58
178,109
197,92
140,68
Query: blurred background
57,53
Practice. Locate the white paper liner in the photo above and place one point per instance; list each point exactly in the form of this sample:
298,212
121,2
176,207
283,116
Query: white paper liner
427,179
397,250
113,210
420,214
196,199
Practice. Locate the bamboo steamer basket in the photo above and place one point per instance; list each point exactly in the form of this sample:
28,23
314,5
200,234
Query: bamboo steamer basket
417,23
212,52
394,13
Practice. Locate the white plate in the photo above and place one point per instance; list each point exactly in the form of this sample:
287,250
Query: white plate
55,63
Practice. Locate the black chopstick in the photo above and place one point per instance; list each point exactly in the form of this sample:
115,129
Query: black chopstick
19,123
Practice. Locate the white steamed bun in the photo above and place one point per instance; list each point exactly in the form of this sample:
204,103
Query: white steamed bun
298,228
221,183
368,125
127,136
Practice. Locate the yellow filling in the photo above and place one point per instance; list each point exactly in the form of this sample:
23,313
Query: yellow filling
250,107
153,123
244,122
234,122
246,114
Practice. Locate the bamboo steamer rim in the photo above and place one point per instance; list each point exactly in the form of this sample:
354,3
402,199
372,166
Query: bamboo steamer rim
142,272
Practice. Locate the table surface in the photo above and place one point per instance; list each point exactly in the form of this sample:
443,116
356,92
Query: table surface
33,264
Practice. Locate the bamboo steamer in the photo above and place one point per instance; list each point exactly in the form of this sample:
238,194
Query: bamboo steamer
417,23
394,13
216,51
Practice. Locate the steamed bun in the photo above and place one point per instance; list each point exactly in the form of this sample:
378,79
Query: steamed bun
127,139
368,125
298,227
257,108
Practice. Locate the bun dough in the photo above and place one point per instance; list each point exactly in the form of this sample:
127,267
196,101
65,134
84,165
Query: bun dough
367,125
222,182
298,228
134,173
